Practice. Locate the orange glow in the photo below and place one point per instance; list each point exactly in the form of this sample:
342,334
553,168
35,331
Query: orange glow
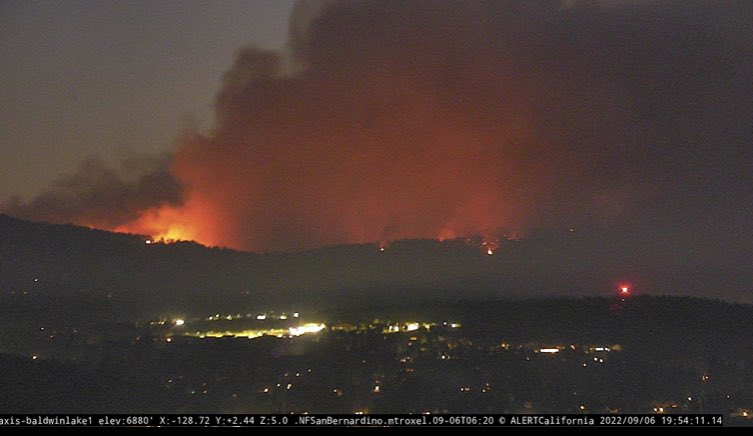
169,224
161,224
386,138
446,234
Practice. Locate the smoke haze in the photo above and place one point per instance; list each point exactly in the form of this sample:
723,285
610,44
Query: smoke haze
97,195
386,119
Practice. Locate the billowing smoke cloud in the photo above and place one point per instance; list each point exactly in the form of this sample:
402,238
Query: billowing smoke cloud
98,195
398,119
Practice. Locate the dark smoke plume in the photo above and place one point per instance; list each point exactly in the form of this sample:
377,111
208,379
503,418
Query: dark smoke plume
393,119
100,196
442,118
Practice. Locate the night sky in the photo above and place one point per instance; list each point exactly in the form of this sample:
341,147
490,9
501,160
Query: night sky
384,120
113,79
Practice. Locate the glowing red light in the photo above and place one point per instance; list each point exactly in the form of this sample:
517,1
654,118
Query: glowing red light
624,290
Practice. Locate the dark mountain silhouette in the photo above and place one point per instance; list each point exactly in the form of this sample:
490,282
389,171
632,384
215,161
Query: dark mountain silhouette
70,296
136,278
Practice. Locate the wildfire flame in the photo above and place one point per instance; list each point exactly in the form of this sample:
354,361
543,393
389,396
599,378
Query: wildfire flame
168,224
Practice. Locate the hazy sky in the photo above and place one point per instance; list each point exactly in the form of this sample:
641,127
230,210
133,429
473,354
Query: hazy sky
113,78
386,120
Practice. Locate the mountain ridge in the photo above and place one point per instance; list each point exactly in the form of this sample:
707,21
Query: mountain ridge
188,276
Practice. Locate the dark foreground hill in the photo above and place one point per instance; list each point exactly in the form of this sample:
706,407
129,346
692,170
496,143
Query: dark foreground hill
70,297
53,262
